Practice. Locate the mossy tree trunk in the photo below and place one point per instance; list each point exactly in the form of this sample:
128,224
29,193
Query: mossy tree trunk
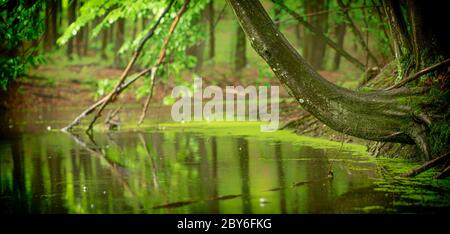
380,115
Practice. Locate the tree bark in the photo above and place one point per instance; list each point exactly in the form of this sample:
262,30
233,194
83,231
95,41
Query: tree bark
402,45
375,116
418,33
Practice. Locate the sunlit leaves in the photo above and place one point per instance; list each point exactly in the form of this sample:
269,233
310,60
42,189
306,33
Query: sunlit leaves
21,24
186,35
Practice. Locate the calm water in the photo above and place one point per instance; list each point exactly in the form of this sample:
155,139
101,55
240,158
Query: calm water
179,171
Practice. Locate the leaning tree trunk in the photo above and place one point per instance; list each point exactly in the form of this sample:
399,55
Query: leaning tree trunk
378,116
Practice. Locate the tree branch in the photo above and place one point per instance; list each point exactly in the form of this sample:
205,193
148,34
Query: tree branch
420,73
124,75
326,39
161,57
357,32
427,165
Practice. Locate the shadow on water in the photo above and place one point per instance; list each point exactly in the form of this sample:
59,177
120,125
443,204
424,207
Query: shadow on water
176,171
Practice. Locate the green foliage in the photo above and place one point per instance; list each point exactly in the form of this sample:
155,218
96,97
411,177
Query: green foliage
103,87
21,24
187,33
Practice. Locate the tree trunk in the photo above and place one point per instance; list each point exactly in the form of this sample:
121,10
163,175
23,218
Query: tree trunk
315,47
212,36
86,39
378,116
71,18
240,58
402,45
80,35
104,43
340,35
358,34
120,36
51,21
322,36
198,49
79,42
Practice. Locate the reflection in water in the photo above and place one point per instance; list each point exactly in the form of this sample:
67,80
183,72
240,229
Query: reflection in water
181,172
242,147
280,176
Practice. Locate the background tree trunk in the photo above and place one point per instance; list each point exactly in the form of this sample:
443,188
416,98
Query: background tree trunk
240,58
356,32
71,18
340,35
198,49
86,29
314,48
104,43
80,35
51,21
119,39
212,37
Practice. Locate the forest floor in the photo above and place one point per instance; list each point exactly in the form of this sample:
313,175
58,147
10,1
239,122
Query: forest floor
49,86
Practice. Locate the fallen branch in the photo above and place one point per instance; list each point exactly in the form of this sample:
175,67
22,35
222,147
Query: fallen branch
427,165
444,173
162,56
90,109
111,96
420,73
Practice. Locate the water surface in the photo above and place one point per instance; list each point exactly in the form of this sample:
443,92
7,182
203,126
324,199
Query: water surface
203,168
